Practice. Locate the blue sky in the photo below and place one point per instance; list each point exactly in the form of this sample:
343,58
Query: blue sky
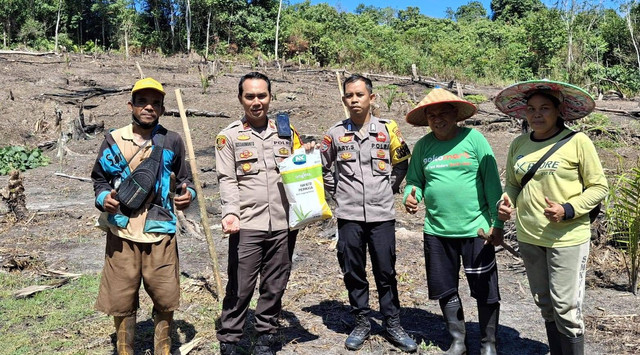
433,8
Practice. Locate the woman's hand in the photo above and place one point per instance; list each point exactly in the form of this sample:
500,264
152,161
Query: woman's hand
504,209
554,211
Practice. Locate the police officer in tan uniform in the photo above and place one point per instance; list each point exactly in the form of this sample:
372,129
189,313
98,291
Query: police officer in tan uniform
255,214
369,160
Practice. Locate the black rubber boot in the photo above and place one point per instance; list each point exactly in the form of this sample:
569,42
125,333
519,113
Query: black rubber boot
359,334
227,348
572,345
454,318
553,337
488,316
397,336
264,345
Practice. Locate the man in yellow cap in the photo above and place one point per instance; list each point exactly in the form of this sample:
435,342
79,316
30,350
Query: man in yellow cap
141,243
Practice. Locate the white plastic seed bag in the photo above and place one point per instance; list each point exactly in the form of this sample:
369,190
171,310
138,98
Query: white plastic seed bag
302,177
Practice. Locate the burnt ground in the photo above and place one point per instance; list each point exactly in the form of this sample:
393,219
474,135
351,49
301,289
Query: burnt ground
60,234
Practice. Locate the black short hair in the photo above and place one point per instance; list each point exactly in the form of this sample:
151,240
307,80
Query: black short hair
356,77
254,75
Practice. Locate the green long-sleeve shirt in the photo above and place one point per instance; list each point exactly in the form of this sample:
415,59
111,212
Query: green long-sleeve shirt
459,182
562,178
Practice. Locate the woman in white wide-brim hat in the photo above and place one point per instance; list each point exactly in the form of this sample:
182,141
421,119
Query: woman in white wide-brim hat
553,204
454,171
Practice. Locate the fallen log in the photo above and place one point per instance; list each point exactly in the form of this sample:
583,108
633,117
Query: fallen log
176,113
27,53
72,177
88,93
32,290
623,112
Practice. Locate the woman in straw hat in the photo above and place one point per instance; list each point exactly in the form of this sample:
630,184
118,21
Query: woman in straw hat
454,171
552,219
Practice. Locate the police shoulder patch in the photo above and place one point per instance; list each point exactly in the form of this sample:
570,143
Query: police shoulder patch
221,141
326,143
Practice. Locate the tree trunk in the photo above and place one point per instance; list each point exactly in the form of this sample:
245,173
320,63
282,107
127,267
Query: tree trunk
104,42
187,18
206,47
55,47
633,37
156,21
173,28
126,43
7,32
277,34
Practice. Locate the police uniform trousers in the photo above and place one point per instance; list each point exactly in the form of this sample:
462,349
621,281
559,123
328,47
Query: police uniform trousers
353,239
253,253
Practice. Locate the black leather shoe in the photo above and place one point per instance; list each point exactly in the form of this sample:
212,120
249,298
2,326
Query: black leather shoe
264,345
398,337
360,333
227,348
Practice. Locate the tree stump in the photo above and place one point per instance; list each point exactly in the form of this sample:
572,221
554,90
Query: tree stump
14,196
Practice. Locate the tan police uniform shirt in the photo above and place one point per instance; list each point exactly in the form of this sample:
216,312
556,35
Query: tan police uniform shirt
369,166
248,176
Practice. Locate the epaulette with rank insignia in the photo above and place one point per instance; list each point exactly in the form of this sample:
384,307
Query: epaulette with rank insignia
233,124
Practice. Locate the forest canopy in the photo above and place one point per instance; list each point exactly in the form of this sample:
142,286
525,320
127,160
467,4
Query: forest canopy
577,41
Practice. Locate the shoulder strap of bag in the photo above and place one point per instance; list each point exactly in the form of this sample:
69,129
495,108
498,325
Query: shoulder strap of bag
534,168
112,141
156,154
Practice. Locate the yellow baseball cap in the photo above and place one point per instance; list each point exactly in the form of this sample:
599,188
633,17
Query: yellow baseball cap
147,83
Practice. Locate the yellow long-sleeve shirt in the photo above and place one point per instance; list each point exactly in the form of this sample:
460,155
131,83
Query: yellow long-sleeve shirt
573,174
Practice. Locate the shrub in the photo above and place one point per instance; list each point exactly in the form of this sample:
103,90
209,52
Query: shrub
20,158
623,215
476,99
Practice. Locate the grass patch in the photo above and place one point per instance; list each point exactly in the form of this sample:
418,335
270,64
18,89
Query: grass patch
63,320
606,143
602,131
476,99
52,321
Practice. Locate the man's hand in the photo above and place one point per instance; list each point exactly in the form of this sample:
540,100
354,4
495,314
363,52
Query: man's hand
183,201
411,203
111,204
554,211
496,236
504,209
309,147
230,224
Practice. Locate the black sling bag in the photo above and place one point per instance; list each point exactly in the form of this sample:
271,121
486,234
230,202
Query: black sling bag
135,189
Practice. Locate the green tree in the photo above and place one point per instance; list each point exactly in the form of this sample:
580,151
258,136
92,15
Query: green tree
124,16
470,12
510,10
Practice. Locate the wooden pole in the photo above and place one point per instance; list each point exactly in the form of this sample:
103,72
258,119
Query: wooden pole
203,210
346,110
139,70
